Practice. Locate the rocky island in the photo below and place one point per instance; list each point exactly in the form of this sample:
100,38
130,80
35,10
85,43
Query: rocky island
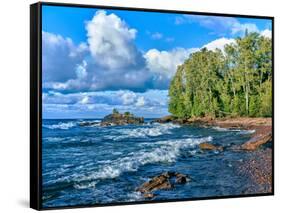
116,118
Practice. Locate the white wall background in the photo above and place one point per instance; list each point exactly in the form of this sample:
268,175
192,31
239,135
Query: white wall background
14,105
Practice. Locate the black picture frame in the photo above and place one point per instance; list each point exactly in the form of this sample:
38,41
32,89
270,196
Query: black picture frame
36,101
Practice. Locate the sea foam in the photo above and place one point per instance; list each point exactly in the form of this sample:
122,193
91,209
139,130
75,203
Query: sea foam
162,152
85,186
151,130
239,131
61,125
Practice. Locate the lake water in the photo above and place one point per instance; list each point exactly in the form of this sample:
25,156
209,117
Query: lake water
99,165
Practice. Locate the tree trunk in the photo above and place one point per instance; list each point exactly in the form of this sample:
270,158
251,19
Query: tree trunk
247,101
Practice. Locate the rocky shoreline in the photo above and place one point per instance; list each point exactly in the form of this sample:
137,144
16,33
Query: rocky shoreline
258,167
261,127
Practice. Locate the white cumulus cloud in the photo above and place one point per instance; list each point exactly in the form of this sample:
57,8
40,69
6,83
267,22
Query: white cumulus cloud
111,41
60,57
128,97
219,43
166,62
266,33
140,101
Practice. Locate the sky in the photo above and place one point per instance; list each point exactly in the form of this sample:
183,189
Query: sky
94,60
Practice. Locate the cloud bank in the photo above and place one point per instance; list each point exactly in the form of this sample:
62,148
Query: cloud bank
99,103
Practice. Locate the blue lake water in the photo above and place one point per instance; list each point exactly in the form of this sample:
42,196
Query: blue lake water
99,165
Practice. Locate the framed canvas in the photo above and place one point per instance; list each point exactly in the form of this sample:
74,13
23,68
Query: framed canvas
132,106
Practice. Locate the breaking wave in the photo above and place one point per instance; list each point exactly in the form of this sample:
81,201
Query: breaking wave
61,125
151,130
163,152
85,186
240,131
53,139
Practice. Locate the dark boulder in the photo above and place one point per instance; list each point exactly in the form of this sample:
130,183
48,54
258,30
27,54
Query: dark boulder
164,181
181,178
88,123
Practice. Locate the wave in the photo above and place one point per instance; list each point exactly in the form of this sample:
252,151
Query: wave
135,196
220,129
151,130
61,125
240,131
96,121
161,152
85,186
53,139
247,131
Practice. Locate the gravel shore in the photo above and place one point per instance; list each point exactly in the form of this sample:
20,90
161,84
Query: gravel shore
259,169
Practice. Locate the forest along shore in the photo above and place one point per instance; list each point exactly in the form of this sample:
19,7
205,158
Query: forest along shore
259,165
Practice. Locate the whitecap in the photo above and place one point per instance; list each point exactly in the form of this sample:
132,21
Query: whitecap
239,131
61,125
85,185
162,152
134,196
245,132
53,139
220,129
151,130
96,121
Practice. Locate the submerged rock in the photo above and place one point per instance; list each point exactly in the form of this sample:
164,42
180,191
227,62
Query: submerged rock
208,146
164,181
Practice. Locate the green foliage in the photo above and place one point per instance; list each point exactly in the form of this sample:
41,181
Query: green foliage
128,114
115,111
235,82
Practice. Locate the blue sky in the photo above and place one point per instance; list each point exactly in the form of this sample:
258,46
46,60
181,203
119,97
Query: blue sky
97,60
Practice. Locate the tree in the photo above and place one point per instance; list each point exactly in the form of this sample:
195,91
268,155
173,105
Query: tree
115,111
127,114
236,81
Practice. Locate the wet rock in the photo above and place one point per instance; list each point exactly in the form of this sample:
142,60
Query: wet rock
88,123
181,178
256,142
158,182
208,146
164,181
165,119
148,195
